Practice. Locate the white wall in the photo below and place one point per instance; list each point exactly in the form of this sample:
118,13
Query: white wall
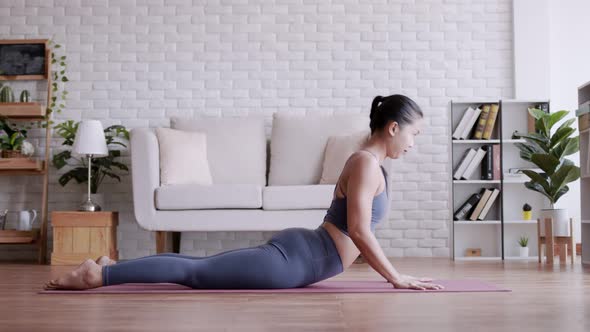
551,62
138,62
570,68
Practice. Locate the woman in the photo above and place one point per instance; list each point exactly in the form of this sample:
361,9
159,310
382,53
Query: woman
293,257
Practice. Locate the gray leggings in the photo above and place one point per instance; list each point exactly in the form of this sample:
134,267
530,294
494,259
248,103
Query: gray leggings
293,257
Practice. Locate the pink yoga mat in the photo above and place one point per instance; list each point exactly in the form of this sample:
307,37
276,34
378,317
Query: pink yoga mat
319,287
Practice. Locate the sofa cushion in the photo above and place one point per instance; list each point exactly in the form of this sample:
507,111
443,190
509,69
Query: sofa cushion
318,196
217,196
183,157
236,147
298,143
338,150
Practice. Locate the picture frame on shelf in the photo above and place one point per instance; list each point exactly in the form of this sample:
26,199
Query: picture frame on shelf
24,59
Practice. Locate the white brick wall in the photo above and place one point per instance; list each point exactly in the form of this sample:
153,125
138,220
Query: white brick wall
137,62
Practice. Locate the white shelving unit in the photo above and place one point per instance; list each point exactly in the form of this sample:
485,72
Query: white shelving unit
498,235
584,96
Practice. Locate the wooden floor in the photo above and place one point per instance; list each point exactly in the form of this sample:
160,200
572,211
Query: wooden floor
542,299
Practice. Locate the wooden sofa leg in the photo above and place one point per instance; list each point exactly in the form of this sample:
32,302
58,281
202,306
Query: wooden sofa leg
167,242
161,242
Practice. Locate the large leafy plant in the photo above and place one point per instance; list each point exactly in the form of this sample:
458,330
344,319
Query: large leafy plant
548,152
101,166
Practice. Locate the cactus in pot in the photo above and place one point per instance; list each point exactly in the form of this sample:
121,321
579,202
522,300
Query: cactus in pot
25,96
6,94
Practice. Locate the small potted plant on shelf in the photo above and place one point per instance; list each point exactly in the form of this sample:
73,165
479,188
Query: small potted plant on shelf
526,211
13,140
101,167
524,250
548,152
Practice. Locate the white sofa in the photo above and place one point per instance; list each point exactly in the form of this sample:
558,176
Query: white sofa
257,185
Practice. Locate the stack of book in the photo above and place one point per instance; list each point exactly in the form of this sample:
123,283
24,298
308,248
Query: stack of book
478,205
487,155
482,119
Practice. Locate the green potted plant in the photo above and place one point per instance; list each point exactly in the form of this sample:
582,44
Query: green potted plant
12,140
101,167
523,242
547,151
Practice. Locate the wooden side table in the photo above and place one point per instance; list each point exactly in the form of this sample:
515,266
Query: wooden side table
79,235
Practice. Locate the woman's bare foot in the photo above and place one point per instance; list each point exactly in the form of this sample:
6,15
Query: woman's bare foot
87,275
105,260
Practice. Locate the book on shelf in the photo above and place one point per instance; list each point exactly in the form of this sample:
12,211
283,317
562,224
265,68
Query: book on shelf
490,166
463,163
467,207
481,123
489,203
480,204
474,163
463,123
470,123
497,169
487,164
491,121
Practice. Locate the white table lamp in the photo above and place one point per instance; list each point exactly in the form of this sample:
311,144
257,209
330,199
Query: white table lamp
90,141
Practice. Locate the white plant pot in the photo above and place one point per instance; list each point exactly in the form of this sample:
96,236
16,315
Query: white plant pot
524,251
560,221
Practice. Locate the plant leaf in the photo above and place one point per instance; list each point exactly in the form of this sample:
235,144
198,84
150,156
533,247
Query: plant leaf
546,162
555,117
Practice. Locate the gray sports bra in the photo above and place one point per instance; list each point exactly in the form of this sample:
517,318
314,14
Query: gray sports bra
336,213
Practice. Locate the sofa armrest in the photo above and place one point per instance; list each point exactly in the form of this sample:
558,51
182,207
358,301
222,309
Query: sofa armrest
145,175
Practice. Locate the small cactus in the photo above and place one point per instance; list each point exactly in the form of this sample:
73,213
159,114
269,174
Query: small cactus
6,94
523,241
25,96
526,207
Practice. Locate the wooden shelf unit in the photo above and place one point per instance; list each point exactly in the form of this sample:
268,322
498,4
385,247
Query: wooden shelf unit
30,112
497,235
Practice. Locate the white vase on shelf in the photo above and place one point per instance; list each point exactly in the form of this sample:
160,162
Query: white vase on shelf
524,251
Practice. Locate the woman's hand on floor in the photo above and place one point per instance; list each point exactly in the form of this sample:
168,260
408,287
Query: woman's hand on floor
405,281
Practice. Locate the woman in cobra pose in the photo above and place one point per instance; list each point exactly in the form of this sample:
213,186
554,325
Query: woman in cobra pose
293,257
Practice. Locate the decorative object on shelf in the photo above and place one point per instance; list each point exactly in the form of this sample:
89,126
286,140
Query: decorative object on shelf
23,58
11,140
101,167
26,219
523,242
6,94
473,252
3,215
27,149
548,152
526,211
25,96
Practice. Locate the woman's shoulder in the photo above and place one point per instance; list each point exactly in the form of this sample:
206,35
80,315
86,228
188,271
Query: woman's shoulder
362,164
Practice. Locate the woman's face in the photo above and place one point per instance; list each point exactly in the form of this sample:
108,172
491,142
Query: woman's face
401,140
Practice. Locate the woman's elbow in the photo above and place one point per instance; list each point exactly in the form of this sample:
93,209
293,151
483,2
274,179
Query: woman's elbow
356,234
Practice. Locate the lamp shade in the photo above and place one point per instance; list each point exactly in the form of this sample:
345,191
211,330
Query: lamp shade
90,139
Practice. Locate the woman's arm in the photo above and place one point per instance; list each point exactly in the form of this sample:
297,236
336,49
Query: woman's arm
362,186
